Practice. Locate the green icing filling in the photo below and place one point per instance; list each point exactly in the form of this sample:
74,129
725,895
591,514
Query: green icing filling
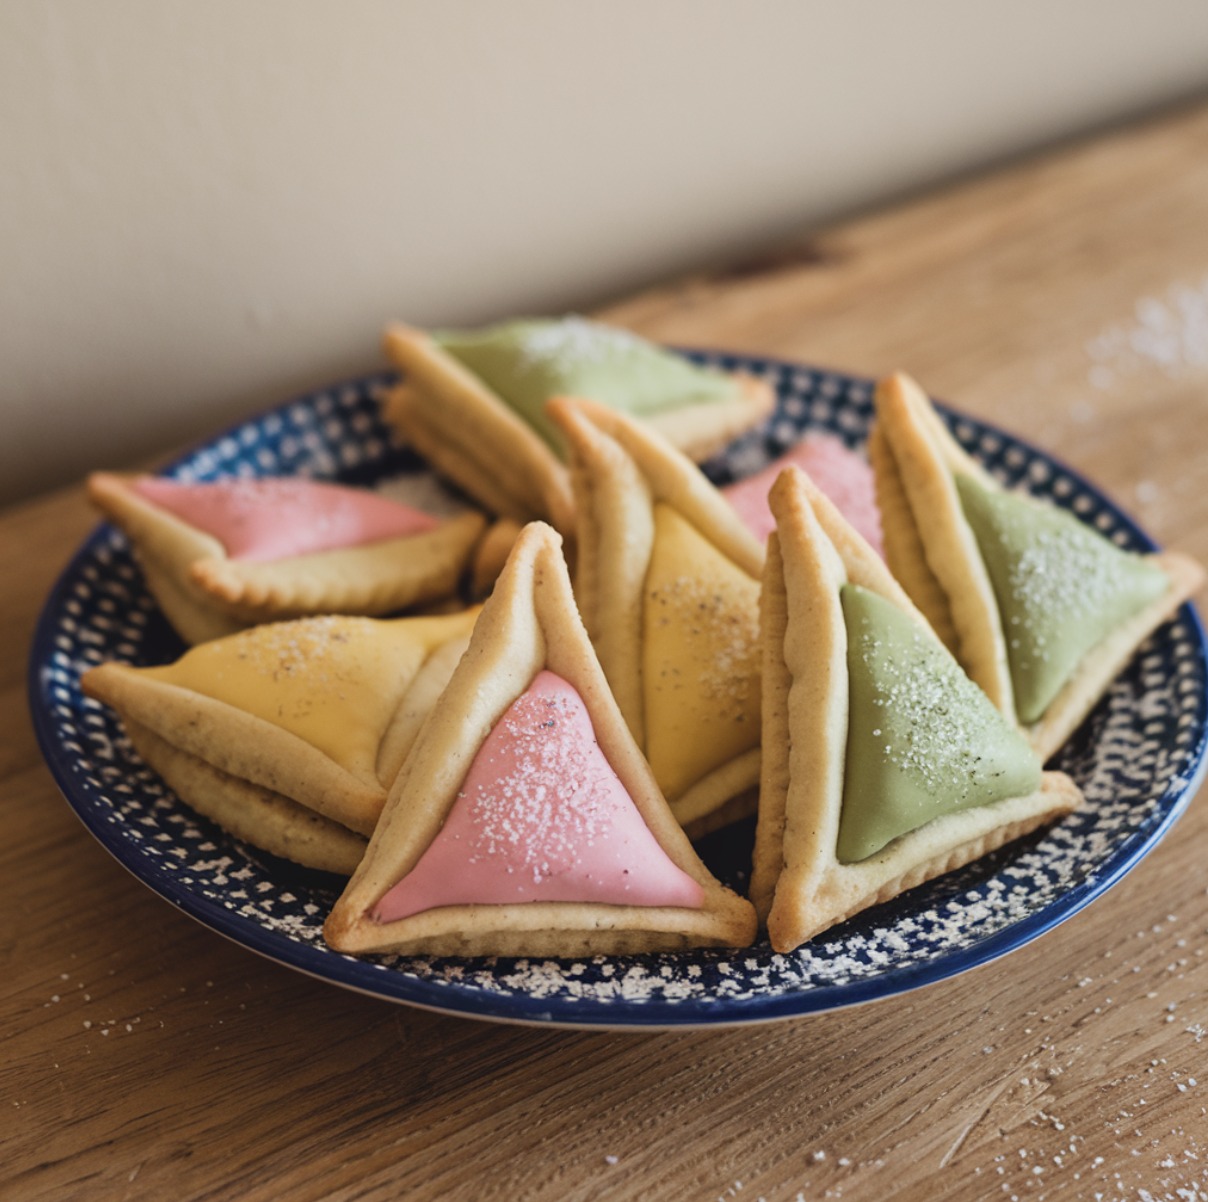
1061,587
922,740
528,362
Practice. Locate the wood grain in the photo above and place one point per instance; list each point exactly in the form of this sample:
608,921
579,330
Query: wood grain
144,1057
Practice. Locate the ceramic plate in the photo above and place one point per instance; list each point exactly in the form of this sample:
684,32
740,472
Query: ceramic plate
1139,759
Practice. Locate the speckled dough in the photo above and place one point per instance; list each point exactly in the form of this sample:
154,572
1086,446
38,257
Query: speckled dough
256,815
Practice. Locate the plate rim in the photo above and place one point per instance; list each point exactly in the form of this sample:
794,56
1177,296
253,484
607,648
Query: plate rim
460,999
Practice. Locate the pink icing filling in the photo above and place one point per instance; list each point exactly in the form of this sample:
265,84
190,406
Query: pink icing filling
845,478
541,816
274,518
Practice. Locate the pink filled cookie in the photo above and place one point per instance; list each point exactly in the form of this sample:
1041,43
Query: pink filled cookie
845,477
541,816
259,520
227,554
525,821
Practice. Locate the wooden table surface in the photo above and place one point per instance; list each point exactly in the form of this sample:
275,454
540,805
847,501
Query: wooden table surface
1065,298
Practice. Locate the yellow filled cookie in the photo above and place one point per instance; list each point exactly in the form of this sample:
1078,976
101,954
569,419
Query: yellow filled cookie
290,734
525,820
667,580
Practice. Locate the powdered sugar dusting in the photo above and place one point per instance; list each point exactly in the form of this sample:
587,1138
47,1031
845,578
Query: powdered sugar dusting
1063,573
1039,577
552,800
307,646
541,816
933,722
572,341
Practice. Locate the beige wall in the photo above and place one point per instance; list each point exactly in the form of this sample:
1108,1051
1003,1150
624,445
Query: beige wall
206,206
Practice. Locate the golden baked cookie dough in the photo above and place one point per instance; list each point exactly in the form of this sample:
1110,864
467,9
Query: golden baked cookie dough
667,580
529,626
833,835
1041,610
289,734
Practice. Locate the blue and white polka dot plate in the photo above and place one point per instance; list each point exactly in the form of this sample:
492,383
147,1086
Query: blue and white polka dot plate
1139,758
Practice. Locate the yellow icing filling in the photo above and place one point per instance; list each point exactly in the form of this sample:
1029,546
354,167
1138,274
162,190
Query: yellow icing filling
335,682
700,656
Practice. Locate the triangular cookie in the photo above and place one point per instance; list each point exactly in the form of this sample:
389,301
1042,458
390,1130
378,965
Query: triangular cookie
525,821
290,734
667,581
883,764
473,403
226,554
1041,610
458,424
